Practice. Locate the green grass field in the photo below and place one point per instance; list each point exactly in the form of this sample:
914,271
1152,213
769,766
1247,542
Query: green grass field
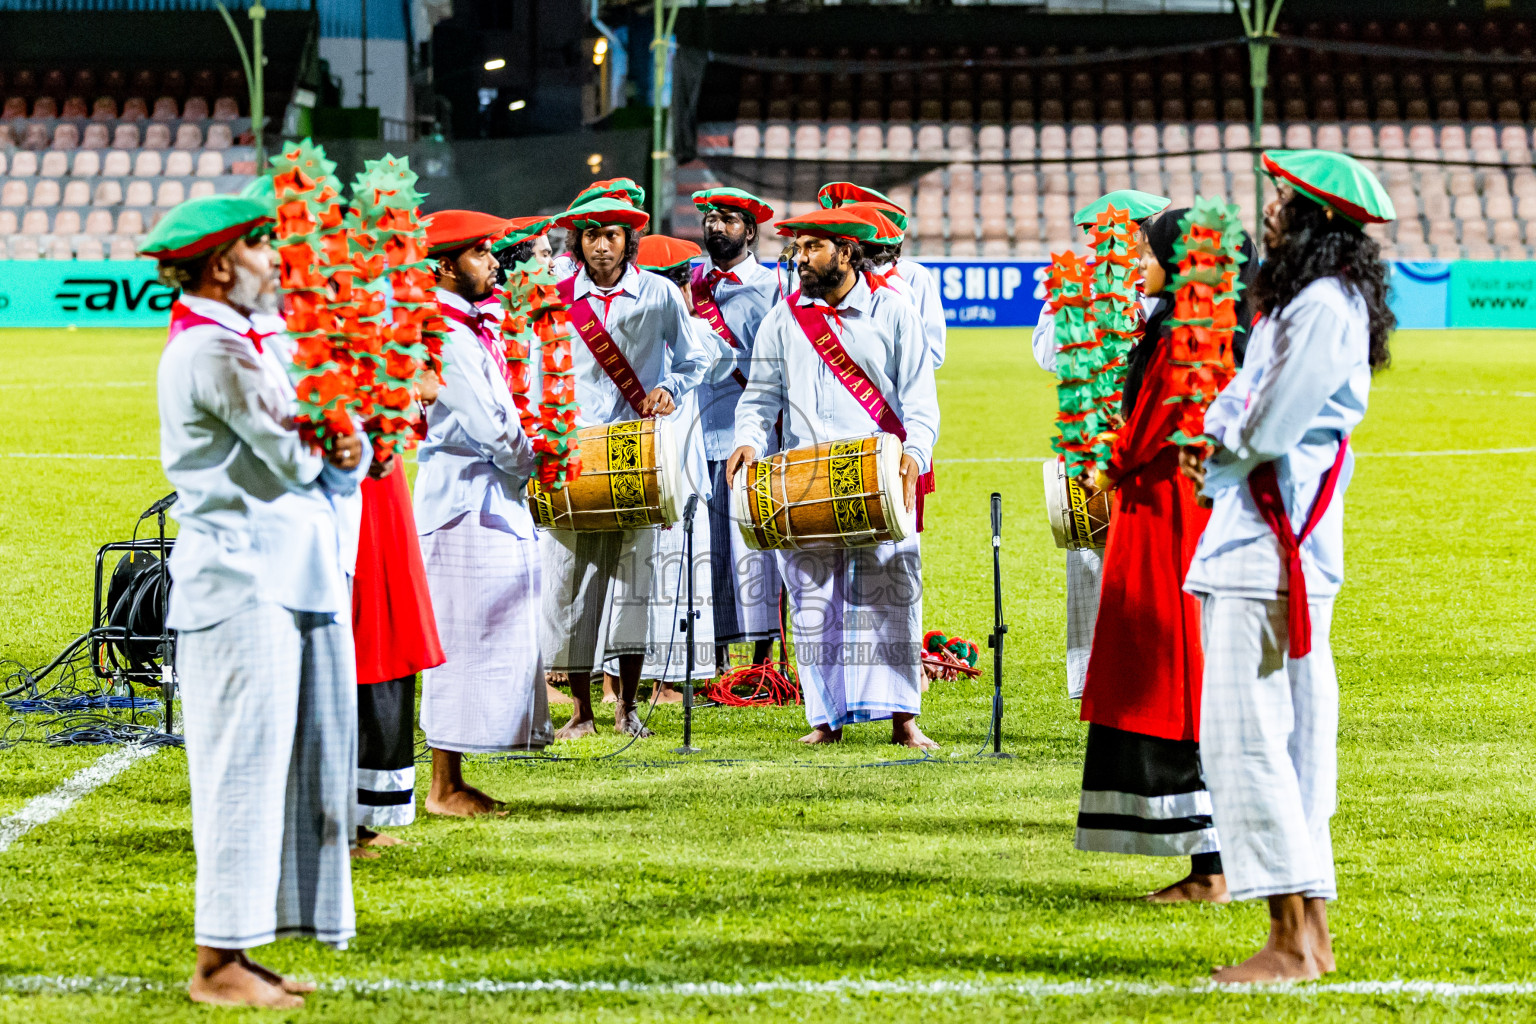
953,882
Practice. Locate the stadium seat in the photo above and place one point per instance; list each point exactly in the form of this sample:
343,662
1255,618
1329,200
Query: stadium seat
1513,139
806,141
839,144
139,193
157,136
24,247
74,107
226,108
991,143
46,193
35,222
200,188
8,224
1359,141
746,140
148,164
776,142
1506,232
190,136
55,164
219,137
1331,137
77,193
108,192
66,136
14,110
961,142
130,222
98,222
930,141
900,142
135,109
45,108
66,222
196,109
1270,137
178,164
1053,142
122,249
1083,141
869,142
165,109
171,193
24,164
1021,142
88,247
125,136
116,164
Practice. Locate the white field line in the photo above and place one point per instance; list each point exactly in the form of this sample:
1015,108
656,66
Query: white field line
76,384
1443,452
42,809
78,455
1029,987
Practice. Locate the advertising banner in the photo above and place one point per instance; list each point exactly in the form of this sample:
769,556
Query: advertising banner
1420,293
1493,294
987,293
80,293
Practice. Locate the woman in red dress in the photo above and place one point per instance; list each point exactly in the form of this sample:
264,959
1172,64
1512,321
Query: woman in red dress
395,635
1142,790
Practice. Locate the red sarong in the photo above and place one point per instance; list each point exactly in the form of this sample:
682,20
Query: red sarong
392,622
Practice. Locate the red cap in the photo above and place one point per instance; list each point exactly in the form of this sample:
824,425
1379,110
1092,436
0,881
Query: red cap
458,229
663,252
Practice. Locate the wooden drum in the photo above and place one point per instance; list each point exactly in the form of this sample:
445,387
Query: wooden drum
839,494
1077,521
631,476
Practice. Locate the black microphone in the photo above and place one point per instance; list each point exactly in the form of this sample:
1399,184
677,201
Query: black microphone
159,506
690,508
997,519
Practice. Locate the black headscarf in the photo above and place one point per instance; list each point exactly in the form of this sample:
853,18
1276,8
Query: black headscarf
1162,232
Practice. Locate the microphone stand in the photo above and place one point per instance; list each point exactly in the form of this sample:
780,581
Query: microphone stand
999,629
686,625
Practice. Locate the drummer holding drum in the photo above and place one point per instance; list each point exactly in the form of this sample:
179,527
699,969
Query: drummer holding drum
847,361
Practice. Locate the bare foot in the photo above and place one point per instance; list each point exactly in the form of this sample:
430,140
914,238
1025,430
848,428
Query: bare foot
666,693
626,722
363,853
554,695
465,802
821,734
235,984
1269,966
272,977
380,839
610,688
555,678
1318,937
574,730
1193,888
907,734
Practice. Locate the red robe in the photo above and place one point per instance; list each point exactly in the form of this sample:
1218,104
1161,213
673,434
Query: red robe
392,622
1145,668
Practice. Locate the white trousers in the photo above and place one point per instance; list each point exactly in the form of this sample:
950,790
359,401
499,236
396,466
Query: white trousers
1085,570
1269,747
856,617
269,701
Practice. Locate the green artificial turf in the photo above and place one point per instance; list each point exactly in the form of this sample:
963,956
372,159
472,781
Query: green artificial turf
762,861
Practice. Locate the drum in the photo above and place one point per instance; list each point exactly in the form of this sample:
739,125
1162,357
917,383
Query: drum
1077,521
631,476
838,494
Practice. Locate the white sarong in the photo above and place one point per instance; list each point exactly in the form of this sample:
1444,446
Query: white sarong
1085,571
269,699
597,596
665,653
489,695
856,617
1269,747
746,582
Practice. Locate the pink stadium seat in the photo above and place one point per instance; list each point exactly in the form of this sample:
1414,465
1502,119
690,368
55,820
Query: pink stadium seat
46,193
46,108
134,109
200,188
14,110
74,107
1053,142
130,222
1022,142
1467,207
89,248
776,141
148,164
930,141
190,136
196,109
1453,137
1298,136
1462,183
66,222
1114,140
899,141
961,142
55,164
807,141
109,192
171,193
869,142
122,249
1270,137
210,164
3,163
1181,188
1513,139
1359,140
219,137
35,222
66,136
77,193
991,143
1405,201
104,109
8,223
1331,137
1410,231
95,136
157,136
178,164
98,222
839,144
746,140
115,165
139,193
1506,232
226,108
125,136
24,247
24,164
1083,141
165,109
1498,207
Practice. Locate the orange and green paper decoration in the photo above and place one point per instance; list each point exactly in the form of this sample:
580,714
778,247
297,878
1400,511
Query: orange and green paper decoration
1079,421
1113,314
1208,254
535,319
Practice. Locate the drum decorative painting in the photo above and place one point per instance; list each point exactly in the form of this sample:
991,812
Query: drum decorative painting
838,494
1077,520
631,478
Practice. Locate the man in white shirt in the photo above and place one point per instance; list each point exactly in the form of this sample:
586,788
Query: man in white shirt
1271,559
857,612
260,605
477,537
732,292
910,278
597,585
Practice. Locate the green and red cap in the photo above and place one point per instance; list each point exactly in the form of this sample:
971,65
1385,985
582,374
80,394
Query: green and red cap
201,225
853,223
1336,180
603,212
623,189
1140,205
520,229
663,253
836,193
735,200
450,230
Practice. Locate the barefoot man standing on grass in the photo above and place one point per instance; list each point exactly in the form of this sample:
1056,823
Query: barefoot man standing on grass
260,606
856,612
477,536
1271,558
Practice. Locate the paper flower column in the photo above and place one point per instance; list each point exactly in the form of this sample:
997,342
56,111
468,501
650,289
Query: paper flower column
535,315
1078,360
1208,255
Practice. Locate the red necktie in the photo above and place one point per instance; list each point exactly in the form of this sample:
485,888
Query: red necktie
607,300
255,336
714,277
829,311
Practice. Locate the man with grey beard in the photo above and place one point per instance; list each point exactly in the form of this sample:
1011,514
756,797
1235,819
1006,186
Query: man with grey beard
260,605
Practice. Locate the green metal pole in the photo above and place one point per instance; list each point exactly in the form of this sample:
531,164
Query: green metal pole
658,140
258,15
1260,29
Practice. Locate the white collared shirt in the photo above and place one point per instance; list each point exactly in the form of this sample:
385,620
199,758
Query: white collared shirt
743,305
1304,386
881,333
476,457
254,506
924,293
649,322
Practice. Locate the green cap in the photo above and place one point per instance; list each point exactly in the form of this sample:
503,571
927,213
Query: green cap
622,189
733,199
1140,205
264,188
1333,179
889,219
199,225
603,212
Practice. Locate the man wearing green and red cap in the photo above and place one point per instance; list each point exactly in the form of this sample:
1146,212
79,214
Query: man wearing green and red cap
264,653
921,287
732,293
844,357
477,536
639,357
1271,558
623,190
